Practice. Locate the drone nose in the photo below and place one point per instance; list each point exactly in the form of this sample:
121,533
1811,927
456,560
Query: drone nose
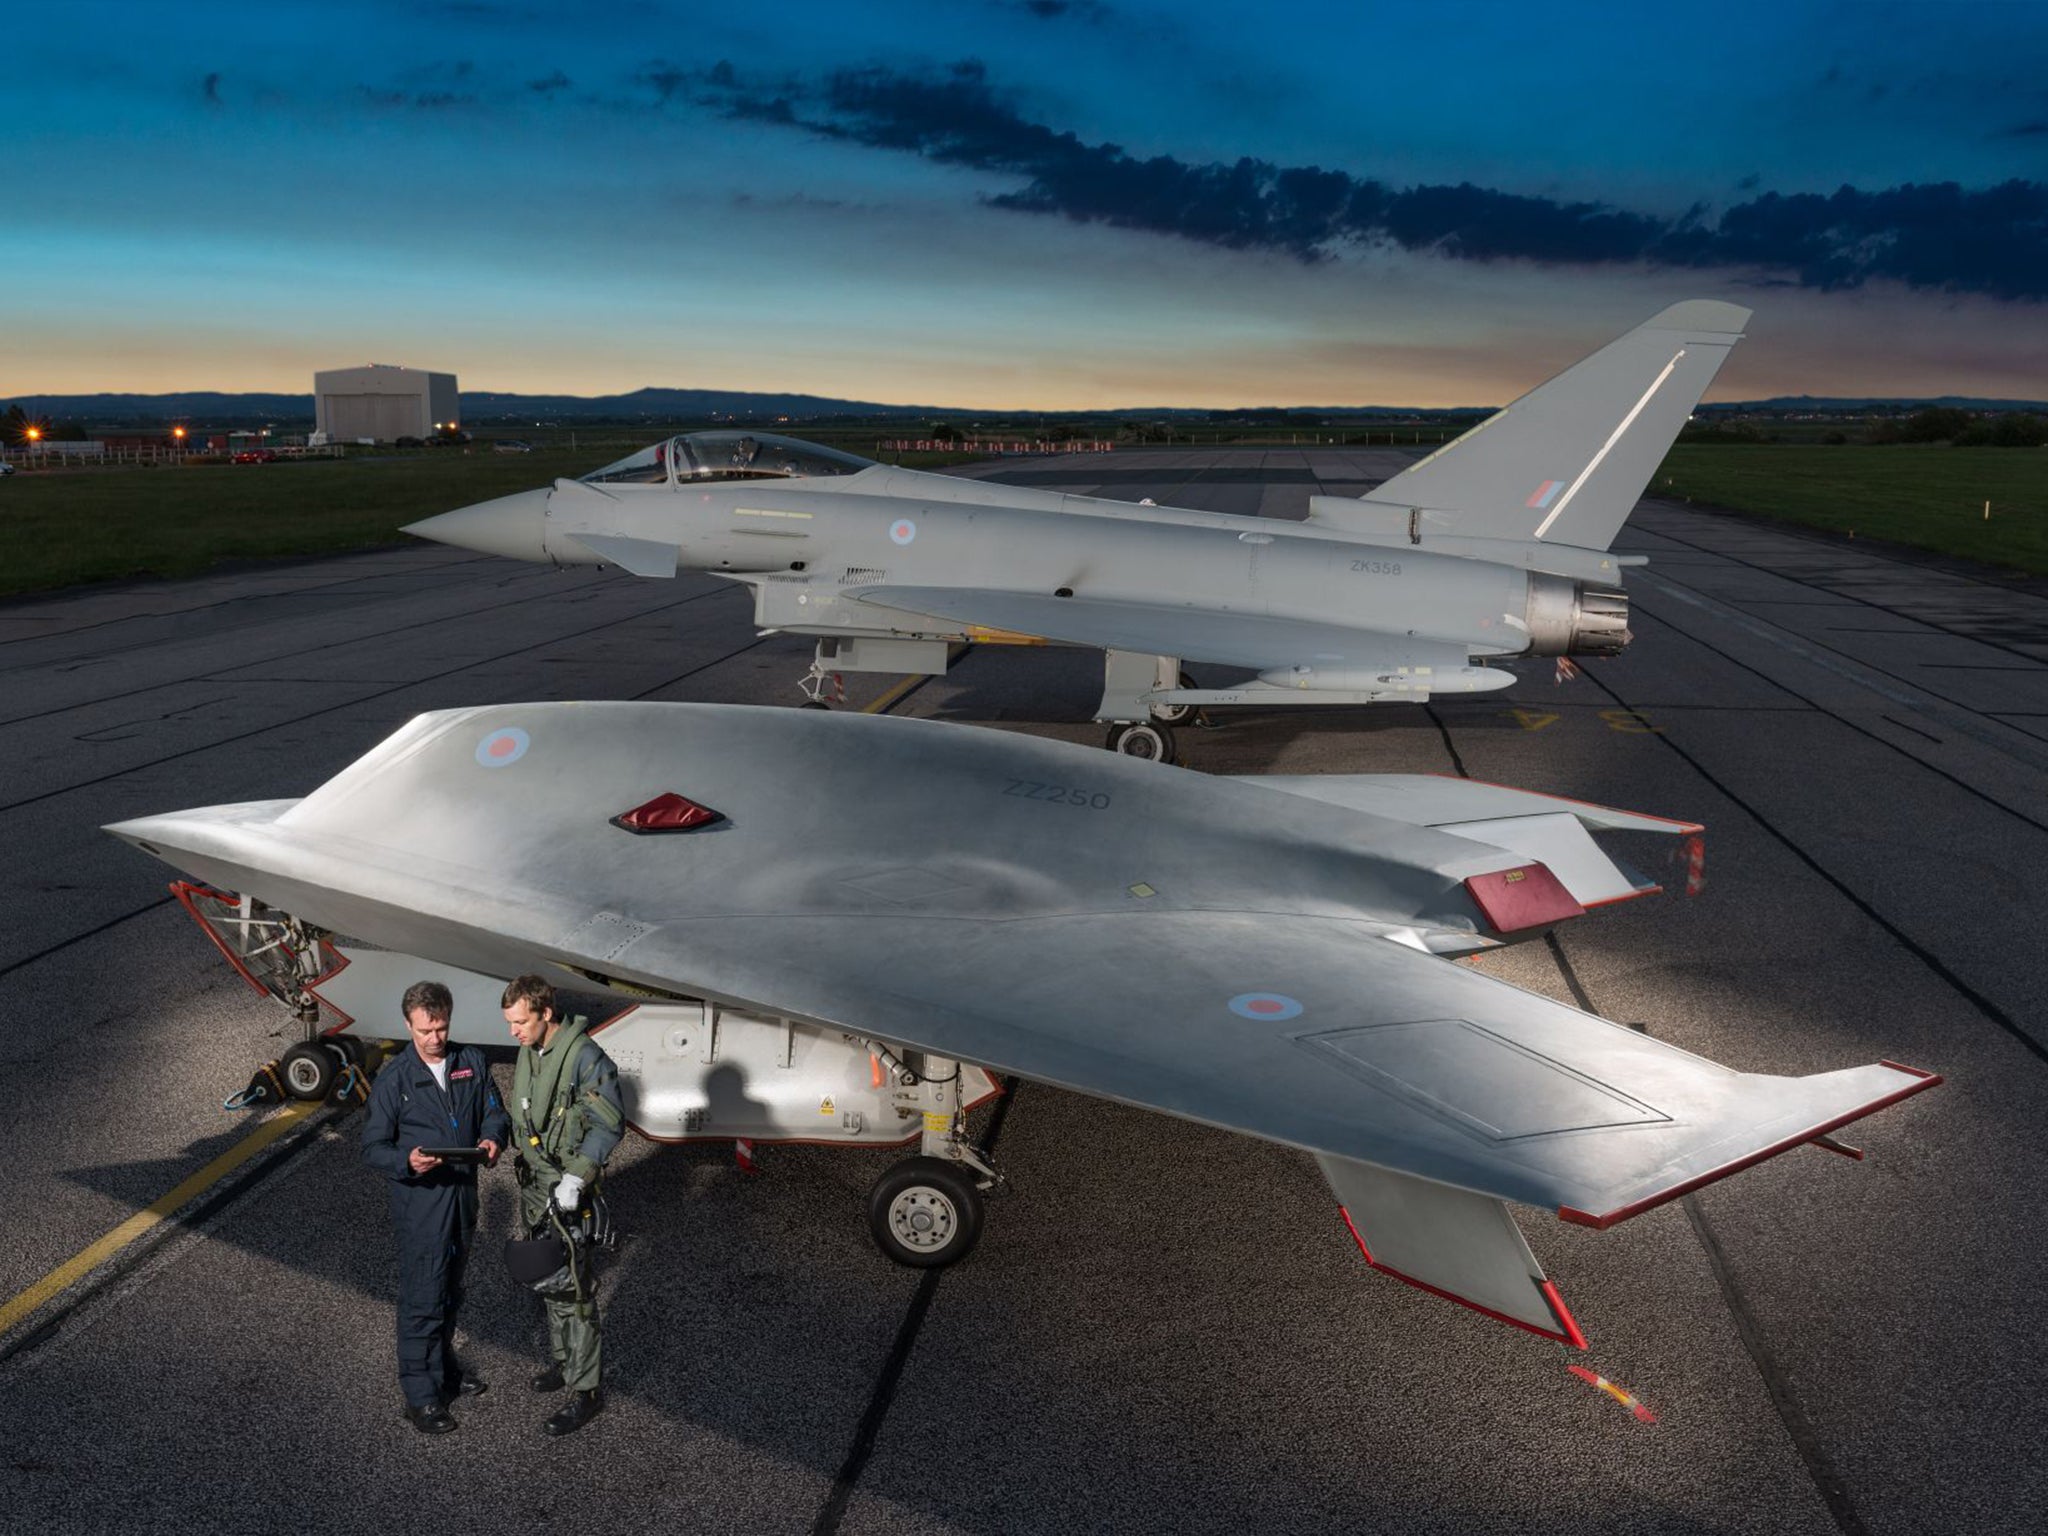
512,526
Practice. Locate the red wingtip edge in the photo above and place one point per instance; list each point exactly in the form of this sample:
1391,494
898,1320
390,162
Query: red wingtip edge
1922,1080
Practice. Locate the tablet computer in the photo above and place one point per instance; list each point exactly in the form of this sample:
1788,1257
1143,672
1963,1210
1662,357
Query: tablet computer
457,1154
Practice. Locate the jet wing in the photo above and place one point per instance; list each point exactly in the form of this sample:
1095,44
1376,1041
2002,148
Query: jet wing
1319,1033
1255,640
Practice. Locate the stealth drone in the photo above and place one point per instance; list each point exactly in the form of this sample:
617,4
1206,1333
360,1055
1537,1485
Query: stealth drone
833,927
1496,546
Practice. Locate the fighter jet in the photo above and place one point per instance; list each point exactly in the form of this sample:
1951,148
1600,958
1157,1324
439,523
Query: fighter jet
1494,547
835,927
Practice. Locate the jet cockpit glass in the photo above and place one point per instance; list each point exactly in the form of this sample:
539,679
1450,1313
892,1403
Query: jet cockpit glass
698,457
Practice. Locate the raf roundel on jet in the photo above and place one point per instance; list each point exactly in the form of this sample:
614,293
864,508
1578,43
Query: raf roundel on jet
1494,547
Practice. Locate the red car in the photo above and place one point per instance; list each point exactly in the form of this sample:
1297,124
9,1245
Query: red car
256,456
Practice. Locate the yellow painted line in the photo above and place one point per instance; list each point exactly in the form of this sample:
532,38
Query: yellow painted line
86,1261
893,696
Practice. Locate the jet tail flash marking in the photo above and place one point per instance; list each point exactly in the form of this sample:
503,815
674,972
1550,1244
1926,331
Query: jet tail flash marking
1614,414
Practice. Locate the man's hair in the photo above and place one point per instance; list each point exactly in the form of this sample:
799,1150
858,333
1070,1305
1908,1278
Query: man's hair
428,995
530,990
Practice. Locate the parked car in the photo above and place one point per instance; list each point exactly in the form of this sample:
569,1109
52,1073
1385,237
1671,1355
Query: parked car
256,456
408,442
511,445
6,468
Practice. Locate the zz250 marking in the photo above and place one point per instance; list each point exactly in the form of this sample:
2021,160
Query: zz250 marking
1057,794
1377,567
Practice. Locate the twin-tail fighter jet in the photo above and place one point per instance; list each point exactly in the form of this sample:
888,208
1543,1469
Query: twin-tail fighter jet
1494,547
834,927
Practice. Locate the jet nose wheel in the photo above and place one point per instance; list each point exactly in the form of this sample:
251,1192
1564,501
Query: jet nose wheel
925,1212
1152,742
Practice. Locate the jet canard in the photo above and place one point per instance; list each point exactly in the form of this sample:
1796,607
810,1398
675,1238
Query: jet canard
1495,547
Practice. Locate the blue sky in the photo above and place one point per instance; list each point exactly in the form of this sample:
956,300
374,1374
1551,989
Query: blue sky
1041,203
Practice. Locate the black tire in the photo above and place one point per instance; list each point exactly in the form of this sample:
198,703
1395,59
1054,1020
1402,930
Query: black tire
1176,714
1154,743
308,1071
814,704
925,1212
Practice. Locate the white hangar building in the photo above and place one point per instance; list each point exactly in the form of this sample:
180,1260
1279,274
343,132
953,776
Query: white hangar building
383,402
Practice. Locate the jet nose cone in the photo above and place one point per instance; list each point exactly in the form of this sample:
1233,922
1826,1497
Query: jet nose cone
512,526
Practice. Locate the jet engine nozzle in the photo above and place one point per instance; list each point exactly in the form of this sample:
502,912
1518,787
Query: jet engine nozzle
1575,618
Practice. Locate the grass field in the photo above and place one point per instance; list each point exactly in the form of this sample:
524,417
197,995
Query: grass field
60,528
1931,497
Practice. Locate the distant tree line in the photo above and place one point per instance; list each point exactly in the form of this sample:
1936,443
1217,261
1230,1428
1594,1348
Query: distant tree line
1936,424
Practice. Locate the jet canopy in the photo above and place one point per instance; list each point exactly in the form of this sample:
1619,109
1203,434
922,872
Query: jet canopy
696,457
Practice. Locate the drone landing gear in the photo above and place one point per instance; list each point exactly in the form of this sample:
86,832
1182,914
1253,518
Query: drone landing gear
925,1211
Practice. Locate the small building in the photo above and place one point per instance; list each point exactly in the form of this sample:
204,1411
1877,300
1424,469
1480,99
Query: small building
383,402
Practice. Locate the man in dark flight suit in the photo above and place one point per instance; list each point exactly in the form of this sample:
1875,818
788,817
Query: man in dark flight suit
431,1096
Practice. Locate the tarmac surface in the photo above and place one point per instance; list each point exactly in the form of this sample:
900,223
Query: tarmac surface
1165,1327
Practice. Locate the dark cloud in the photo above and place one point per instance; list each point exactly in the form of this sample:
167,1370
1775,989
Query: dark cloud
210,89
1992,241
2031,130
554,82
1091,11
437,87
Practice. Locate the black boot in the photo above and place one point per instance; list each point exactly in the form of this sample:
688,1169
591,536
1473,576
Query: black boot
579,1411
431,1419
549,1380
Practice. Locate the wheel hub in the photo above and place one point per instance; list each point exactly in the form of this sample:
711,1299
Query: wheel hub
923,1218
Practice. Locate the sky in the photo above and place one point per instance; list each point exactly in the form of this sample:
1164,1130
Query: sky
1043,204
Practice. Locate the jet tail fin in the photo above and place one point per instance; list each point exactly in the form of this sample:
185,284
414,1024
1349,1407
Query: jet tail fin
1568,461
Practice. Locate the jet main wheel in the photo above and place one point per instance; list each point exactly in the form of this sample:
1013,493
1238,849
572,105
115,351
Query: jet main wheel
1152,742
309,1070
814,704
1176,714
925,1212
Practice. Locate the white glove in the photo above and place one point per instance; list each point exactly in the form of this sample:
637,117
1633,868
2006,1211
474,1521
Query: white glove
569,1191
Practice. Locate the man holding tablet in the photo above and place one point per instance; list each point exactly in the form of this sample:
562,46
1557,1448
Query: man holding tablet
434,1115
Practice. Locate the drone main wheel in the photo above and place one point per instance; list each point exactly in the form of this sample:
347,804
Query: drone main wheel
925,1212
1142,739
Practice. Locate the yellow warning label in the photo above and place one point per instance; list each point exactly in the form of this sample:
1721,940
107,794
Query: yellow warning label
826,1106
937,1125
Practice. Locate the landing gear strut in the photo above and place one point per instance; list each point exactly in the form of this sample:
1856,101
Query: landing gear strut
821,688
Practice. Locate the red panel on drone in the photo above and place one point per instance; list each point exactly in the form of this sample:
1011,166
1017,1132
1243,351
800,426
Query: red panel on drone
1529,897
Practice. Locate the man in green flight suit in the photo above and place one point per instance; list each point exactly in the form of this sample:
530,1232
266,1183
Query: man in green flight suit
566,1119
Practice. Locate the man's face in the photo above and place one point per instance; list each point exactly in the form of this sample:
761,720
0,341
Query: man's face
429,1034
529,1025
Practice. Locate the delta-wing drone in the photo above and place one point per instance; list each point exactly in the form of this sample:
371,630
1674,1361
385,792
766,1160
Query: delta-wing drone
832,927
1496,546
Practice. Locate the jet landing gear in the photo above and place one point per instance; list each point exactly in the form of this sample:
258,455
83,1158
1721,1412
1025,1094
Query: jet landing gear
1143,739
925,1211
1139,726
822,688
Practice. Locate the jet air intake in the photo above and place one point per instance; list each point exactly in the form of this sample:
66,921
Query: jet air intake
1575,618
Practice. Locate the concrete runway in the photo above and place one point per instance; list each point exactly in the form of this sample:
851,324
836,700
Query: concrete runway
1165,1327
